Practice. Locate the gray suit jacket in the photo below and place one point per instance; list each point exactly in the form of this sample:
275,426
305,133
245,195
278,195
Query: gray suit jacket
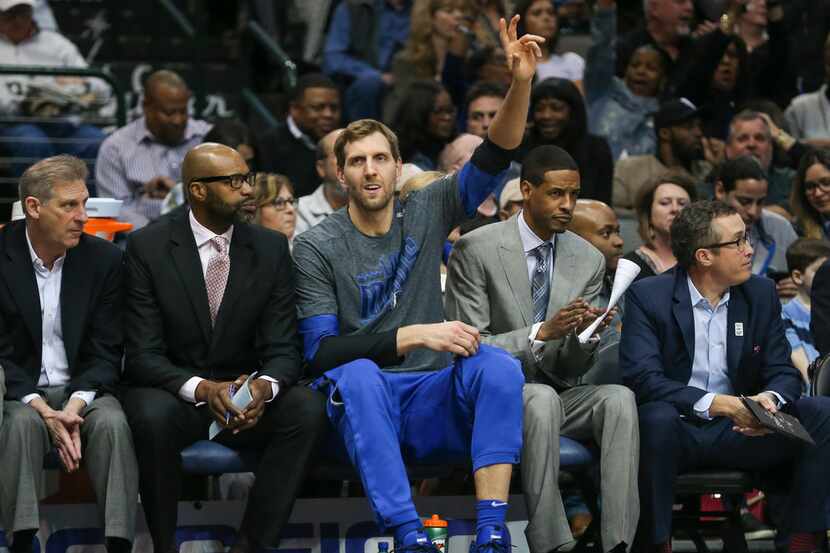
488,287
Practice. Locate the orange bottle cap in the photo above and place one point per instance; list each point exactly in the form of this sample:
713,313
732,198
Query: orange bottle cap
434,522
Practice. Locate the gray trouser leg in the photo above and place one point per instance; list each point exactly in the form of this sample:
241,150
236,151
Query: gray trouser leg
109,458
547,526
24,442
608,415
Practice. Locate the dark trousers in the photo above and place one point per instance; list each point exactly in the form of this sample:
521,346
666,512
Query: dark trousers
287,436
670,446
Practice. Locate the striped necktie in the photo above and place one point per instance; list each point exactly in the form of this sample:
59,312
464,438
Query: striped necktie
540,285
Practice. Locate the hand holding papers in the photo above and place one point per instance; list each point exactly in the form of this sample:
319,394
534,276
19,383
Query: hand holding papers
241,398
627,271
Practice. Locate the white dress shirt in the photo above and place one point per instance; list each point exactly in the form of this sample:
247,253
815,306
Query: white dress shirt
203,236
54,366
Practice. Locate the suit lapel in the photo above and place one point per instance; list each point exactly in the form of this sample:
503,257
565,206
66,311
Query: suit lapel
186,259
737,325
239,277
682,310
564,263
512,257
22,282
75,289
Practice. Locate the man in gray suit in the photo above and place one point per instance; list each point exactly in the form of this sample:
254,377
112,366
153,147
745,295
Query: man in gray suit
530,287
60,349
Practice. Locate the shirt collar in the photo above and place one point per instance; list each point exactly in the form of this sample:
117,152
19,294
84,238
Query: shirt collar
317,202
697,297
38,262
145,134
530,241
297,133
202,234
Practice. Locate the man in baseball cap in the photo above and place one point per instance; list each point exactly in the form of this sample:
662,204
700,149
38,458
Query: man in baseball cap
679,147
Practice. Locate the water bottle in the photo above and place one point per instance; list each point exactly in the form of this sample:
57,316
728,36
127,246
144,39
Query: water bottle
438,532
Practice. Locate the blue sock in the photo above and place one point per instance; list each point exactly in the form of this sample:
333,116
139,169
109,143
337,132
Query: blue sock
406,533
490,522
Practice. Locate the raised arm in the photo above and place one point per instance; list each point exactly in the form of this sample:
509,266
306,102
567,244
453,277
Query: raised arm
522,55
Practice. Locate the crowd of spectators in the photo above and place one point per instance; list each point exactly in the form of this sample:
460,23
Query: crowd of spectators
440,186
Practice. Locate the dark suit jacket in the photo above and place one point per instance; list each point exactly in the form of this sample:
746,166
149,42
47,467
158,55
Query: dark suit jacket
170,336
820,309
279,152
91,292
657,345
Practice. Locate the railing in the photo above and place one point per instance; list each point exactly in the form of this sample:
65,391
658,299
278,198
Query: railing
289,68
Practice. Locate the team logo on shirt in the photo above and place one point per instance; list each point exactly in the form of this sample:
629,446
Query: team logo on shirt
380,290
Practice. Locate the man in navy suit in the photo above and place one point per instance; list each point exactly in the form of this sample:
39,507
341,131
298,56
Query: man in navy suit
696,339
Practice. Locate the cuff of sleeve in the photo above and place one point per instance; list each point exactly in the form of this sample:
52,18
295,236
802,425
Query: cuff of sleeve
492,159
29,398
84,396
702,406
188,390
537,347
275,387
776,396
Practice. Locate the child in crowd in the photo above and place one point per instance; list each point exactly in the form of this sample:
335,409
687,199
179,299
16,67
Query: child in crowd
804,257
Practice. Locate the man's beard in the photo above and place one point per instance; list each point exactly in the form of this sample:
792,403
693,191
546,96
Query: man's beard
369,205
224,212
687,154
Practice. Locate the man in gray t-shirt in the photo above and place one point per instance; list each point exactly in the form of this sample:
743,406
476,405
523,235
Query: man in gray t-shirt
369,307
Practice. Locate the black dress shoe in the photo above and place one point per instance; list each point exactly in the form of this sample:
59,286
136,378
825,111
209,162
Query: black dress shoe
23,541
118,545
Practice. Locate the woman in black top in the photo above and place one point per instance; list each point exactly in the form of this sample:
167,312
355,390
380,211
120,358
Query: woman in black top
657,204
557,116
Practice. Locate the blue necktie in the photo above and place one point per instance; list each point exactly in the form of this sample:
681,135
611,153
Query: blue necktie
540,285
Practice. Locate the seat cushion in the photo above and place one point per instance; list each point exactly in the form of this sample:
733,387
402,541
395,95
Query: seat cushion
573,454
206,457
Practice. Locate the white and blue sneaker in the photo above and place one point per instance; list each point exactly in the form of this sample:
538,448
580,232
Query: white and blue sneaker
496,540
416,542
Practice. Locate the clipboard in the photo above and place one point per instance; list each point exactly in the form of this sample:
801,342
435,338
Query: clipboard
780,423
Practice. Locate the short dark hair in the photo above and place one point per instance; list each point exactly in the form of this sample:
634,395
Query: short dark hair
692,229
803,252
546,158
231,132
741,168
483,89
310,80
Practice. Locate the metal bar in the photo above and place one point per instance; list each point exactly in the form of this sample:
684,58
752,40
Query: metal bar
181,19
289,68
256,104
120,107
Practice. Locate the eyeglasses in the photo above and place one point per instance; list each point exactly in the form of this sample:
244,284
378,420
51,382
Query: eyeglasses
822,184
740,243
282,203
234,181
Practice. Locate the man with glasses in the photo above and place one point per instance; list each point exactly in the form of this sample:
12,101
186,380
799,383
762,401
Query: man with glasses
694,341
209,301
742,183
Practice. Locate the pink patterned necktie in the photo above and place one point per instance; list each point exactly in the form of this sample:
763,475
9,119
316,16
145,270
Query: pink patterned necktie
216,276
